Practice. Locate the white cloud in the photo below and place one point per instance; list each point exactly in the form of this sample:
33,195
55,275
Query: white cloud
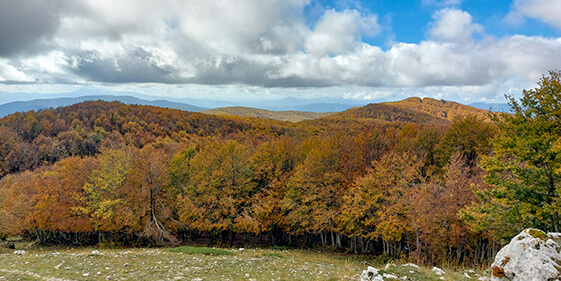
548,11
217,45
339,32
453,25
9,73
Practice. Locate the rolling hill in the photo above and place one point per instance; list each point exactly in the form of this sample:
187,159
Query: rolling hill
291,116
440,108
22,106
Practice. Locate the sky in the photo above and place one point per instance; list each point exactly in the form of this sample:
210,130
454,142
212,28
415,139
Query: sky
465,51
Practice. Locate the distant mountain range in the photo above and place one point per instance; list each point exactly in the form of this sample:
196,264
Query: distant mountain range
287,109
496,107
22,106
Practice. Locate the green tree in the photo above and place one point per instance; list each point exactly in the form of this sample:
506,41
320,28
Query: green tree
525,169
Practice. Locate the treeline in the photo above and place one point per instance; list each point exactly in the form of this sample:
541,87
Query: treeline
429,192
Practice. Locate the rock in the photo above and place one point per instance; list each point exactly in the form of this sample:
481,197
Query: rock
96,253
389,276
412,265
531,255
437,271
371,274
20,252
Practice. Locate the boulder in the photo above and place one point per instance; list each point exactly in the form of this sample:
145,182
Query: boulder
371,274
532,255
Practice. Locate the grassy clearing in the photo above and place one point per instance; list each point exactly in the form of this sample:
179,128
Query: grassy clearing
189,263
200,250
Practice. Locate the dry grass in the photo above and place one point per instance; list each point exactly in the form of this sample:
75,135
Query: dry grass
162,264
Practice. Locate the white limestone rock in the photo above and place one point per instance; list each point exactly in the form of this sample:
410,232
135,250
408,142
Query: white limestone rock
531,255
371,274
389,276
437,271
412,265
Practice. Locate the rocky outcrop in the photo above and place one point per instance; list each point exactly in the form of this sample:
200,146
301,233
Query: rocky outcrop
532,255
371,274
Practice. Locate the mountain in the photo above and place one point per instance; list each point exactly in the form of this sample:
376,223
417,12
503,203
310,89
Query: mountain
425,111
496,107
21,106
327,107
291,116
440,108
386,112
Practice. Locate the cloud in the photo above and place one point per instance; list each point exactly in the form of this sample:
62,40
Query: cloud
9,73
24,24
453,25
339,32
222,43
547,11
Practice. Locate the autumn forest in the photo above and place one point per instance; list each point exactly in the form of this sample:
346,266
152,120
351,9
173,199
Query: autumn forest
422,179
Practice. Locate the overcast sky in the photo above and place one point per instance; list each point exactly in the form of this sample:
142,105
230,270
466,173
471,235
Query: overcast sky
467,51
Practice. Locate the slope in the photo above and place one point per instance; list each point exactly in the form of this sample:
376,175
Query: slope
440,108
291,116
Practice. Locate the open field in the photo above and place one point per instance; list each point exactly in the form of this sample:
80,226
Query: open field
197,264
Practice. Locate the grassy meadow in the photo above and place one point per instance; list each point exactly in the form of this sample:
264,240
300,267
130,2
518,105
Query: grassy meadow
200,263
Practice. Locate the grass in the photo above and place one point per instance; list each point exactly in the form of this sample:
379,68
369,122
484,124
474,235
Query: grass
188,263
200,250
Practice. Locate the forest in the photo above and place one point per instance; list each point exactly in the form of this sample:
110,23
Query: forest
430,181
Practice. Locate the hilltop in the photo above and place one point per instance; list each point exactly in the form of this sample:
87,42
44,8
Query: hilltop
440,108
290,115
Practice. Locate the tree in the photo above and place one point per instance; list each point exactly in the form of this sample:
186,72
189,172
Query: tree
16,204
103,190
148,195
378,205
312,199
59,189
468,135
273,164
216,198
525,170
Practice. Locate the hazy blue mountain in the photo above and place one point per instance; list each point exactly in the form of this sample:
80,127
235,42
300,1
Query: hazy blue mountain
18,106
496,107
327,107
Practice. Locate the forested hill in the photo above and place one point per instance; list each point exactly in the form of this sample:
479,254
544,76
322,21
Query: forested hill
289,115
29,140
106,172
32,139
440,108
